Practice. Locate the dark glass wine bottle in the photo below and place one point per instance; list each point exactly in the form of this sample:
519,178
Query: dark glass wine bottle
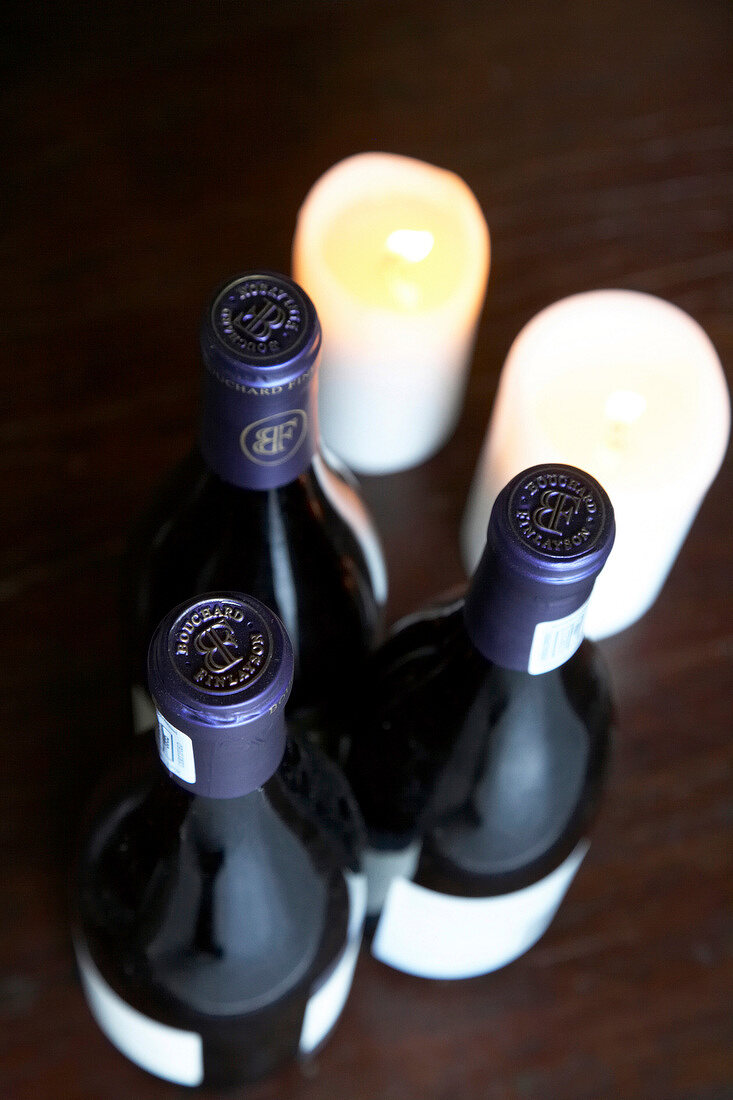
486,739
255,506
219,903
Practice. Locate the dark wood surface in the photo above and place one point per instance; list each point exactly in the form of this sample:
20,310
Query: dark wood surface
152,149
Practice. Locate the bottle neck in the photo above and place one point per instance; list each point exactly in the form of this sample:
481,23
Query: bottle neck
219,823
220,763
525,626
255,436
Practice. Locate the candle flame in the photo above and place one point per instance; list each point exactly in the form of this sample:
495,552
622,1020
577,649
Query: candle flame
625,406
412,245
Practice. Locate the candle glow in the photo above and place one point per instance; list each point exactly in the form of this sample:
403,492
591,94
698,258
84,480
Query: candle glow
395,255
629,388
412,245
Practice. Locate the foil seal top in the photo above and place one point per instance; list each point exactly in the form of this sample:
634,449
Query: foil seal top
261,330
553,523
220,669
550,533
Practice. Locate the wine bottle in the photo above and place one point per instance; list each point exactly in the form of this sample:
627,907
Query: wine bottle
486,739
256,506
219,903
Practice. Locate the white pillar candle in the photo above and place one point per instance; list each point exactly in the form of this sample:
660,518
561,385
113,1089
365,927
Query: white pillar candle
395,255
629,388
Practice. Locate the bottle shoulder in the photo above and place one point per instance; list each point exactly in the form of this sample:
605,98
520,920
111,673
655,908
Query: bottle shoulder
201,525
424,646
191,491
510,812
319,791
414,693
219,907
291,547
192,484
495,772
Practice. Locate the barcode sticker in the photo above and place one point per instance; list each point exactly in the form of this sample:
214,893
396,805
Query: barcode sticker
554,642
175,749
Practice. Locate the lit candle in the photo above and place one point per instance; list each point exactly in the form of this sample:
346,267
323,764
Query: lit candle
395,255
629,388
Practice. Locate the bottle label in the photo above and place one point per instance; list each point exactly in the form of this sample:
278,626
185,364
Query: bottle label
436,935
326,1004
175,749
177,1055
169,1052
553,643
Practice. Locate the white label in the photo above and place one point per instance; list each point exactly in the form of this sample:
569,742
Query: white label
326,1004
176,751
442,936
168,1052
345,500
554,642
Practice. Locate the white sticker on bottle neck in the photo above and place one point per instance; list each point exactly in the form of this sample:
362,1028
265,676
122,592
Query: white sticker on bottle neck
436,935
327,1003
168,1052
175,749
553,643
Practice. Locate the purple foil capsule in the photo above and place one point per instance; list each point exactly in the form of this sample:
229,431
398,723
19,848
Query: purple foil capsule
220,669
550,533
260,340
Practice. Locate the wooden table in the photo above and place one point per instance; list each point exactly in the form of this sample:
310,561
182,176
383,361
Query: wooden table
153,149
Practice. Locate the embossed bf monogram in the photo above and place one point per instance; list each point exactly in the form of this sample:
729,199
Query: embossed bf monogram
555,507
274,439
271,440
260,320
215,644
